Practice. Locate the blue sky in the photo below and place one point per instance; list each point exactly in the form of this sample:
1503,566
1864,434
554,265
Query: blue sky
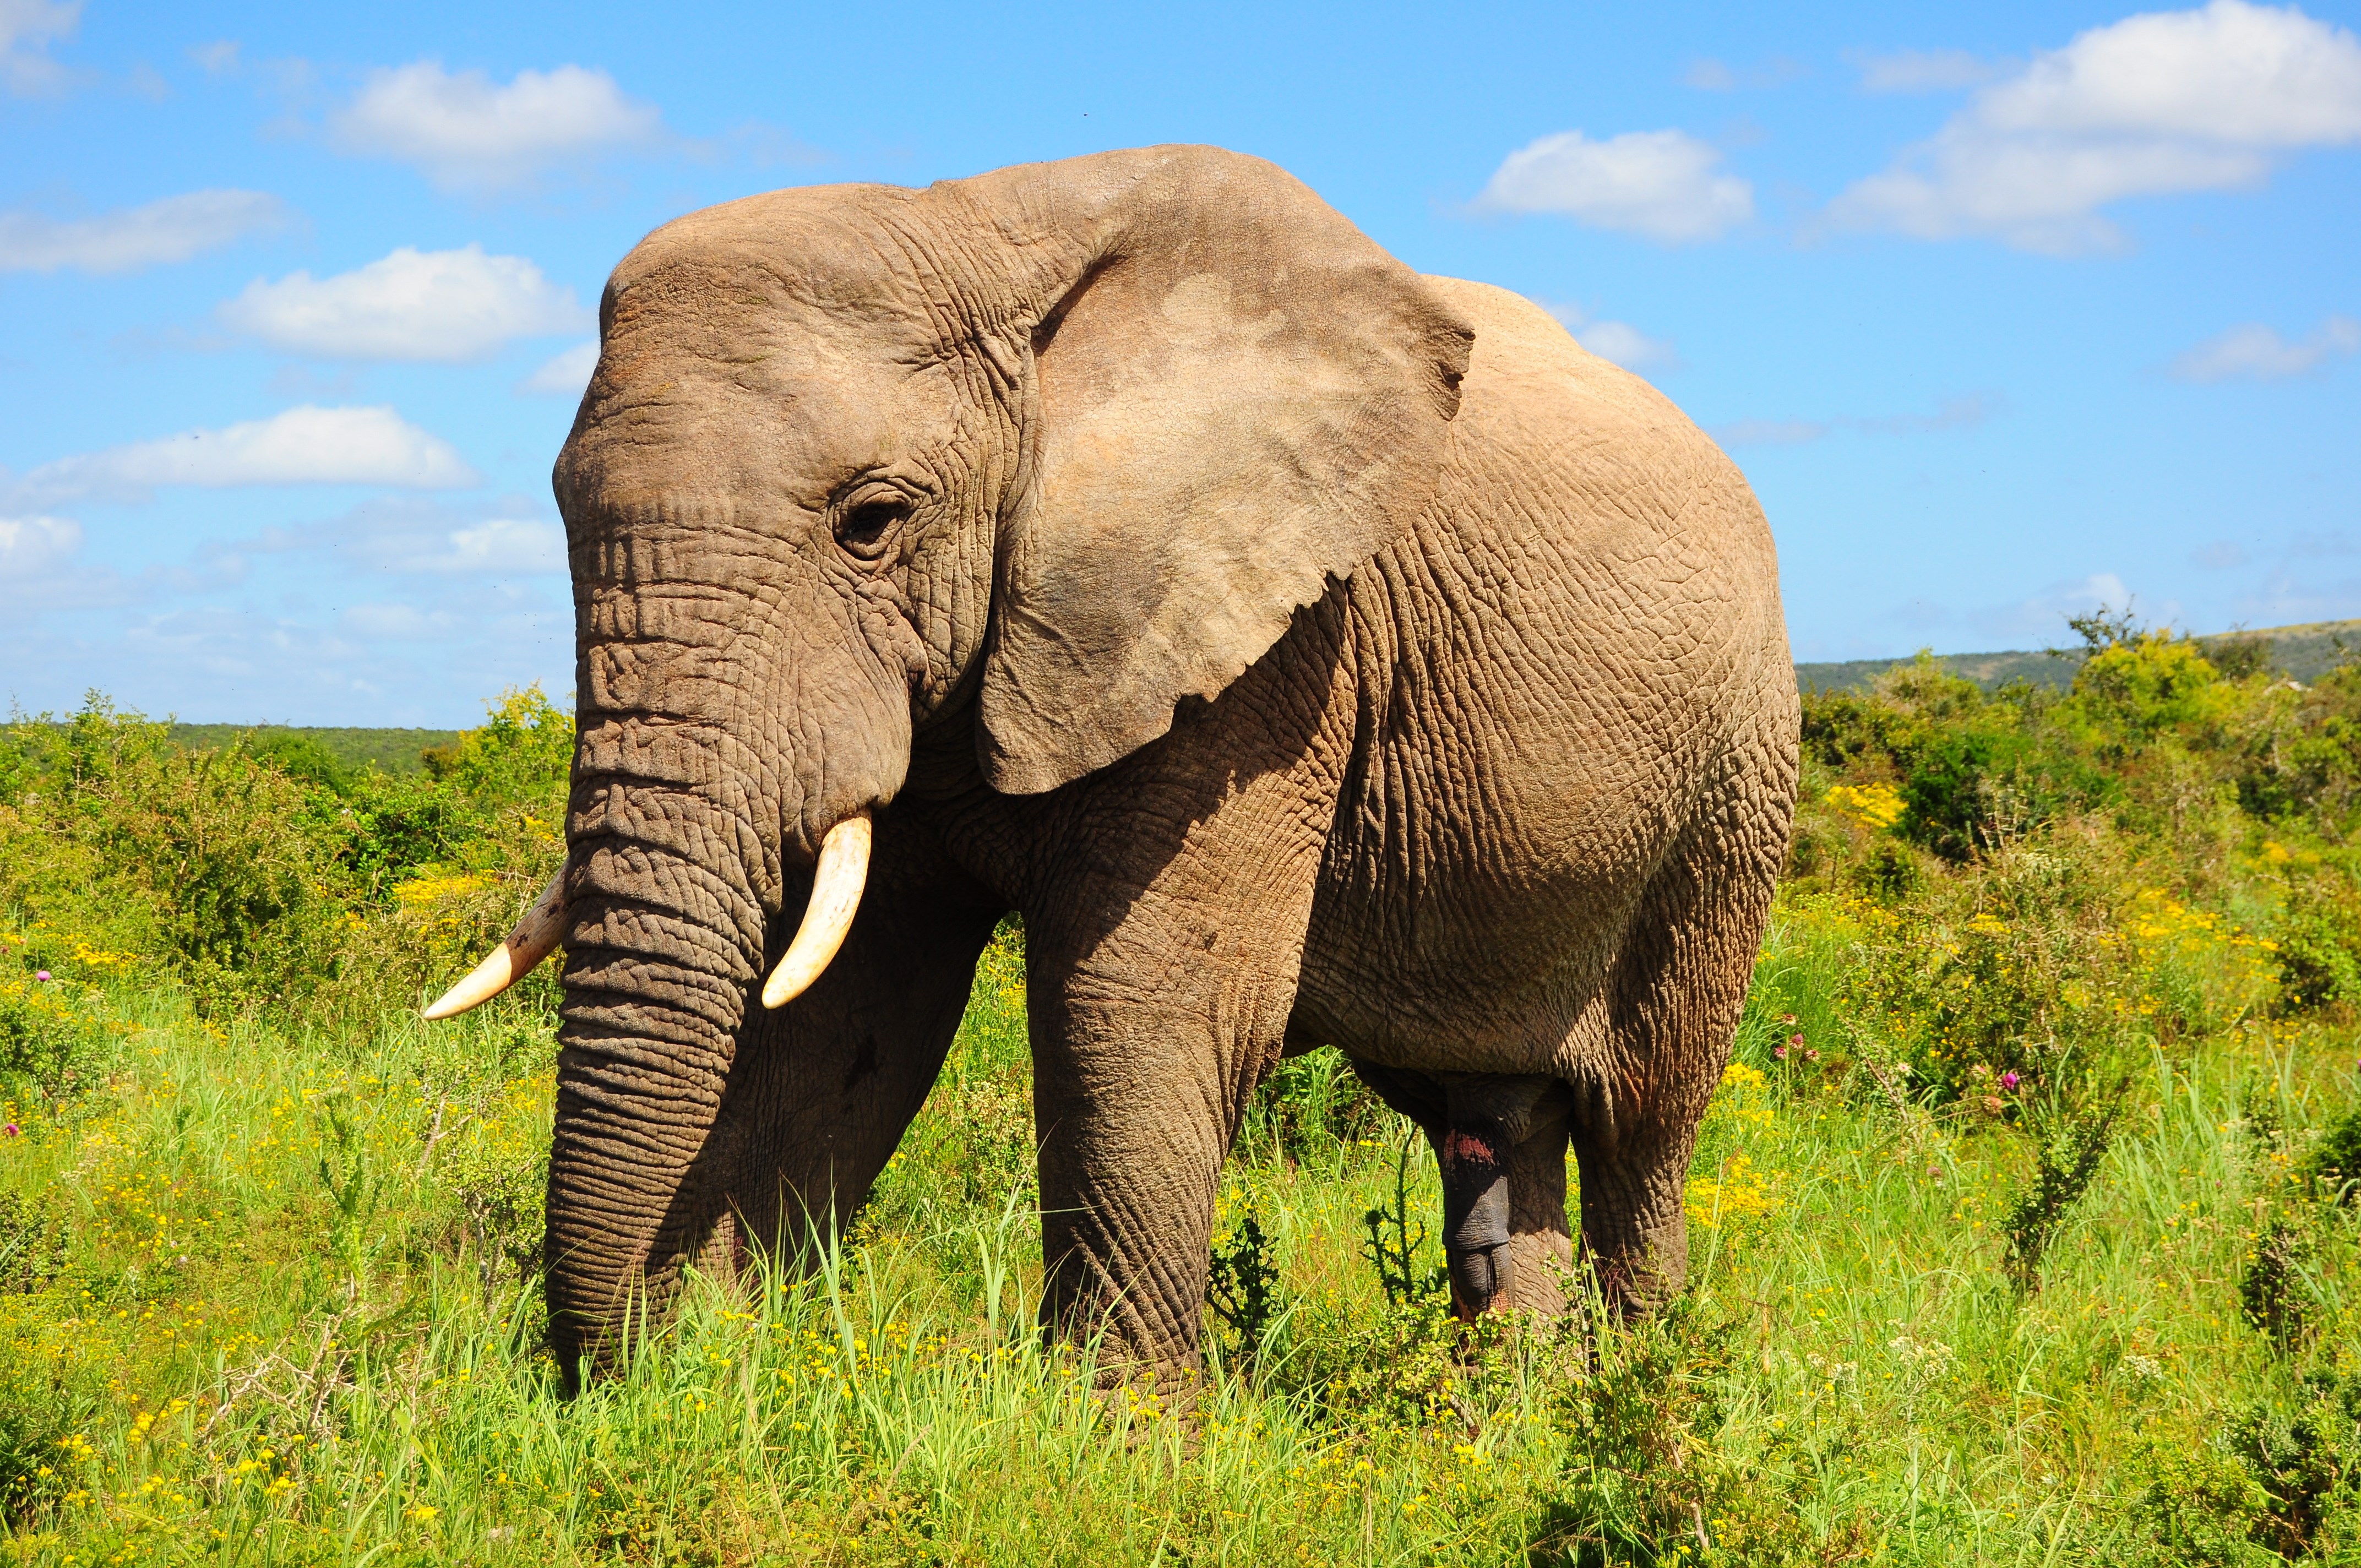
2005,310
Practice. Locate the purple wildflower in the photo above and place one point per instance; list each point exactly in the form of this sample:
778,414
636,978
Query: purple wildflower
11,1130
1780,1052
2008,1081
42,975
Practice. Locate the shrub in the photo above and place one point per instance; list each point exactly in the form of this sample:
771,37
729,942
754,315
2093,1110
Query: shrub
1242,1286
1644,1478
2065,1164
2139,688
42,1450
2306,1461
2302,753
1309,1103
2319,943
33,1242
303,758
2333,1169
2272,1293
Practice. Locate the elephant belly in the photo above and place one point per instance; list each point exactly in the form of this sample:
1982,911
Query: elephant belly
1549,677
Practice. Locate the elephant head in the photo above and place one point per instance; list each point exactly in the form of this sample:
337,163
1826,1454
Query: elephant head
1038,454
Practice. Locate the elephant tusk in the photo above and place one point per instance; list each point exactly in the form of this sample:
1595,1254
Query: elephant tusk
835,895
534,938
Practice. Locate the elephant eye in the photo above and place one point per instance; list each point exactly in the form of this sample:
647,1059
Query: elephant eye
865,529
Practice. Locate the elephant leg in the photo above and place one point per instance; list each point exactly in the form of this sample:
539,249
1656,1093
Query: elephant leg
822,1090
1163,954
1676,992
1540,1245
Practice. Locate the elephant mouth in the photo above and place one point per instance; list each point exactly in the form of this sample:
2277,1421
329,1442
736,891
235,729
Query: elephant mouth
837,886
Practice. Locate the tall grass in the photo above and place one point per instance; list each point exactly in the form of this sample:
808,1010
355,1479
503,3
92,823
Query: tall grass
268,1288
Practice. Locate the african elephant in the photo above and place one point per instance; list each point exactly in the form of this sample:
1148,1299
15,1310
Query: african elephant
1312,653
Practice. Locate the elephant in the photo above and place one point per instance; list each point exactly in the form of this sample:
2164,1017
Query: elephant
1311,652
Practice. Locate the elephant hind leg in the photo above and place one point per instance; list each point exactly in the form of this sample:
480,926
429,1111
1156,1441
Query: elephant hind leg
1675,995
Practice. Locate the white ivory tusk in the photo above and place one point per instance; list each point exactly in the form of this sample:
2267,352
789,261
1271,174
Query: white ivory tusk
836,894
534,938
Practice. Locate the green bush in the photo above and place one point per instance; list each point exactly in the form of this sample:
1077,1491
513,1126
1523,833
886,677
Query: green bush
2065,1163
2304,1461
2333,1167
2273,1293
2318,938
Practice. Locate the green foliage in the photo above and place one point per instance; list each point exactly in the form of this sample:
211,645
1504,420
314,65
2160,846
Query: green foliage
354,753
2318,936
2138,689
2280,1482
1393,1252
302,757
2333,1169
525,746
57,1038
267,873
33,1243
1309,1104
353,1192
2272,1293
2064,1165
2306,1458
273,1297
1643,1478
1242,1288
41,1454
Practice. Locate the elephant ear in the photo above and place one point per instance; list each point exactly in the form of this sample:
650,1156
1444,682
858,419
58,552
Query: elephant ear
1234,397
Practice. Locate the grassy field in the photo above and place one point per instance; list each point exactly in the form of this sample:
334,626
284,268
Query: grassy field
2017,1223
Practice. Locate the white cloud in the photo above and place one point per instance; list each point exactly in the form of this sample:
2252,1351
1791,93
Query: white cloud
1953,413
28,28
32,546
501,546
1663,185
2156,103
216,58
566,374
417,537
1620,342
174,229
2042,618
1922,70
397,622
1709,75
466,133
302,446
444,306
2258,353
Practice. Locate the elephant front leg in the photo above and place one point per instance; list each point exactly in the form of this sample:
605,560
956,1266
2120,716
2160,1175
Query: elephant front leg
1138,1091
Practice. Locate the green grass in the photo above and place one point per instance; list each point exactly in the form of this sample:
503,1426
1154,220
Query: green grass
237,1367
269,1243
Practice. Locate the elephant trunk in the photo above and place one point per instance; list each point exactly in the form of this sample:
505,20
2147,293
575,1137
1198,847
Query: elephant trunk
665,939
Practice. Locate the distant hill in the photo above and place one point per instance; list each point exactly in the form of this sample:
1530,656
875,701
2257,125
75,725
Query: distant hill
395,750
2301,653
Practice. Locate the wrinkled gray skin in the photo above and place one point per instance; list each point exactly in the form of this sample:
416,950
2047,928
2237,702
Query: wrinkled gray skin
1310,652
